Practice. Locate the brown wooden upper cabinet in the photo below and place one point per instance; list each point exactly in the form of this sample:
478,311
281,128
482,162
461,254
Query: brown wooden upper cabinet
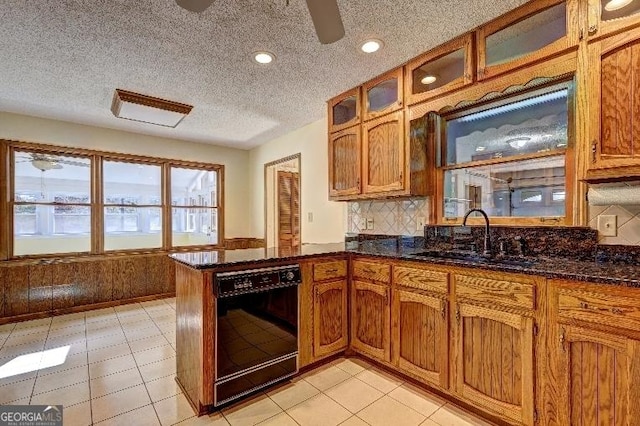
382,95
532,32
614,94
383,154
344,162
344,110
608,17
441,70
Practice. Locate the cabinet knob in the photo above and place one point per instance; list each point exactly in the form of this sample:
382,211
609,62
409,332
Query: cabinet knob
562,341
594,151
592,29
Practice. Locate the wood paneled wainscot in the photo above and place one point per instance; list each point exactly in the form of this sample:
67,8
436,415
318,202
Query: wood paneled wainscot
594,345
371,308
420,325
495,321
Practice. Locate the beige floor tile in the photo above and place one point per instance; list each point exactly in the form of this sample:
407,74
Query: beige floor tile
289,394
147,343
251,411
77,415
101,320
17,390
154,354
423,402
141,333
61,379
120,402
282,419
16,339
115,382
106,341
429,422
66,329
71,395
102,333
352,366
326,378
109,352
143,416
70,361
140,317
155,370
72,339
449,415
387,411
353,394
380,380
319,411
10,376
7,353
354,421
162,388
112,365
7,328
215,419
43,322
173,410
109,325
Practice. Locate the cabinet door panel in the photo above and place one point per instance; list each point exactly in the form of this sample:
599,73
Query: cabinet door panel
383,154
382,94
598,377
603,22
330,318
344,162
495,361
420,334
370,316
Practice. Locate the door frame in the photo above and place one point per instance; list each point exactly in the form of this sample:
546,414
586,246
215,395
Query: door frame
287,159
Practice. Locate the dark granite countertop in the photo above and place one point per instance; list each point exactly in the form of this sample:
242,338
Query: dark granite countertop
560,267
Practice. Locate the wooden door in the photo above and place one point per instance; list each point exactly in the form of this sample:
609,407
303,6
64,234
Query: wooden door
383,154
288,209
494,361
330,333
421,336
598,378
344,162
370,316
614,88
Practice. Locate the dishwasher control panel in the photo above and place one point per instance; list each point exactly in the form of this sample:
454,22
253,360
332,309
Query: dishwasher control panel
234,283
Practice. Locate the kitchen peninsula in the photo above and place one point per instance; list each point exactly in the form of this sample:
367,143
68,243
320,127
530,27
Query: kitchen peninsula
379,299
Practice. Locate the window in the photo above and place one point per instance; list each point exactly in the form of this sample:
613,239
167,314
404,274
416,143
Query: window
51,203
132,194
508,158
194,212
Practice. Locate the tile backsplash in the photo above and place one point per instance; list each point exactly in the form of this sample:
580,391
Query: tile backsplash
628,223
389,217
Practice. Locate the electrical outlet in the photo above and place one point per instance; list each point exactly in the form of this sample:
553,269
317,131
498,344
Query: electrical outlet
420,223
369,223
607,225
362,225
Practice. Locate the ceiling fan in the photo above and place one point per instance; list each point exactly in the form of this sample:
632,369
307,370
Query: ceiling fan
44,162
324,14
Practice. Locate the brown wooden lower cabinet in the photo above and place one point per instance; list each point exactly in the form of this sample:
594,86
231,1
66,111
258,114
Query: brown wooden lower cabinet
420,336
370,319
330,317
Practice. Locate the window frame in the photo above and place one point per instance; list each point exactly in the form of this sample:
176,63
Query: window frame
97,205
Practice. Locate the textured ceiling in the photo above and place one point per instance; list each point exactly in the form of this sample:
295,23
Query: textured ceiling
63,59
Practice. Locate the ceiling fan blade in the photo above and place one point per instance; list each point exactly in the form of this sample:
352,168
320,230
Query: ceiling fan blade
73,163
326,19
196,6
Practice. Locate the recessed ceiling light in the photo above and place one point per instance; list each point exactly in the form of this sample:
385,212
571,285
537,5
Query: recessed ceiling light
428,79
370,46
616,4
263,57
480,148
148,109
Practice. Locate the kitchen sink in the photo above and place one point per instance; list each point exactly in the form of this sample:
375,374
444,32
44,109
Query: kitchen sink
476,258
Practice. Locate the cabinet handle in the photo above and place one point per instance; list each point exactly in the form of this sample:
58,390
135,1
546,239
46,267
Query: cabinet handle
443,309
331,271
358,183
593,29
368,271
615,311
581,34
458,314
386,296
549,219
400,178
562,341
594,151
399,103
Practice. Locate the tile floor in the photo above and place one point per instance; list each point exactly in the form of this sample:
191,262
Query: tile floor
116,366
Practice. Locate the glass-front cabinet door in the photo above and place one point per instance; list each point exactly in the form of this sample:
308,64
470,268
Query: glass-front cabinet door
527,34
611,16
382,94
344,110
441,70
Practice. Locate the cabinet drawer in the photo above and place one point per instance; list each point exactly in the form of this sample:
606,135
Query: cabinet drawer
372,271
422,279
494,291
602,308
329,270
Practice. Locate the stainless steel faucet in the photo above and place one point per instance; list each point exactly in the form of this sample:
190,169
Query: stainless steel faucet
487,237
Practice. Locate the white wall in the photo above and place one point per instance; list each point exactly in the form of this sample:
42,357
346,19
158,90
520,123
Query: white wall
237,183
329,218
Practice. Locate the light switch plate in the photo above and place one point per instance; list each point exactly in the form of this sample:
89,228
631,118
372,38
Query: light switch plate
369,223
420,223
607,225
